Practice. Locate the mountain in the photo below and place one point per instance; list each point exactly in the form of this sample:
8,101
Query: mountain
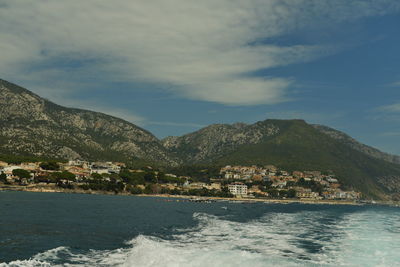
347,140
33,126
291,145
217,140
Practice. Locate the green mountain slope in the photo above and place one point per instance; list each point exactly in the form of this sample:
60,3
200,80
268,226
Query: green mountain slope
349,141
291,145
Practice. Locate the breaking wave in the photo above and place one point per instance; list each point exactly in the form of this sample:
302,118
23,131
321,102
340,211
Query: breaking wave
280,239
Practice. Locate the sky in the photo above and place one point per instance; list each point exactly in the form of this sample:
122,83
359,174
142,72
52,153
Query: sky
175,66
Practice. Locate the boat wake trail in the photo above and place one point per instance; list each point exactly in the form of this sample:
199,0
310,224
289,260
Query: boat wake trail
281,239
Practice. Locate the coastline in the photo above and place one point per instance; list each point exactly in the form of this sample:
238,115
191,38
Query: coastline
259,200
55,189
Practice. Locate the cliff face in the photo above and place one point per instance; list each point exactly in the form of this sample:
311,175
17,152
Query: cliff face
31,125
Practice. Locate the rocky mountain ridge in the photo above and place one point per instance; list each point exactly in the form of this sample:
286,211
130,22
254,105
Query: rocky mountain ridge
214,139
34,126
217,139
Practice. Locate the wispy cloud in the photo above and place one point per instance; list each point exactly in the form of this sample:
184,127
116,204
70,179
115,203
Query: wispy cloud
387,113
394,84
391,134
203,50
392,108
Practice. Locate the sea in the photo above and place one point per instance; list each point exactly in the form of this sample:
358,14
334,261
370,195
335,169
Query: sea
55,229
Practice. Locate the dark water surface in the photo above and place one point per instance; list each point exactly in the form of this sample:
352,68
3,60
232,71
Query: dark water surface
47,229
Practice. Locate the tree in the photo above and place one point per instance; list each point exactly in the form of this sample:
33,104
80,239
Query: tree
150,177
175,191
132,178
50,165
290,183
291,193
136,190
96,176
283,193
161,176
3,177
273,193
65,175
21,173
152,189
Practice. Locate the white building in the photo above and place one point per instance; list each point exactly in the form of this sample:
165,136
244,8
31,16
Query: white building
332,180
9,170
237,176
104,168
78,163
197,185
238,189
228,175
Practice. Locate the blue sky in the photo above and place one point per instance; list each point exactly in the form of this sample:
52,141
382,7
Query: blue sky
175,66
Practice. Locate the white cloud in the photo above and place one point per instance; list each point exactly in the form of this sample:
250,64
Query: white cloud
394,108
386,113
201,50
394,84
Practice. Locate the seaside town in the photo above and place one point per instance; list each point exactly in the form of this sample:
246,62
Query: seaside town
233,181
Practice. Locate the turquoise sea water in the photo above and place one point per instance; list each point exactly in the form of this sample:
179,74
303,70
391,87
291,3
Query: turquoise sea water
50,229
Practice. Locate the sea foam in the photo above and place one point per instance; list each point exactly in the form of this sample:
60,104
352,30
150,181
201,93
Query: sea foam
306,238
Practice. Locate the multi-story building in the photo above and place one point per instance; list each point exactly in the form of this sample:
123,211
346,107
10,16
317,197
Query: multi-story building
307,194
238,189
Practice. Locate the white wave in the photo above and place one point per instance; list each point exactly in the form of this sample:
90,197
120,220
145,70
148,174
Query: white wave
306,238
369,239
26,263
